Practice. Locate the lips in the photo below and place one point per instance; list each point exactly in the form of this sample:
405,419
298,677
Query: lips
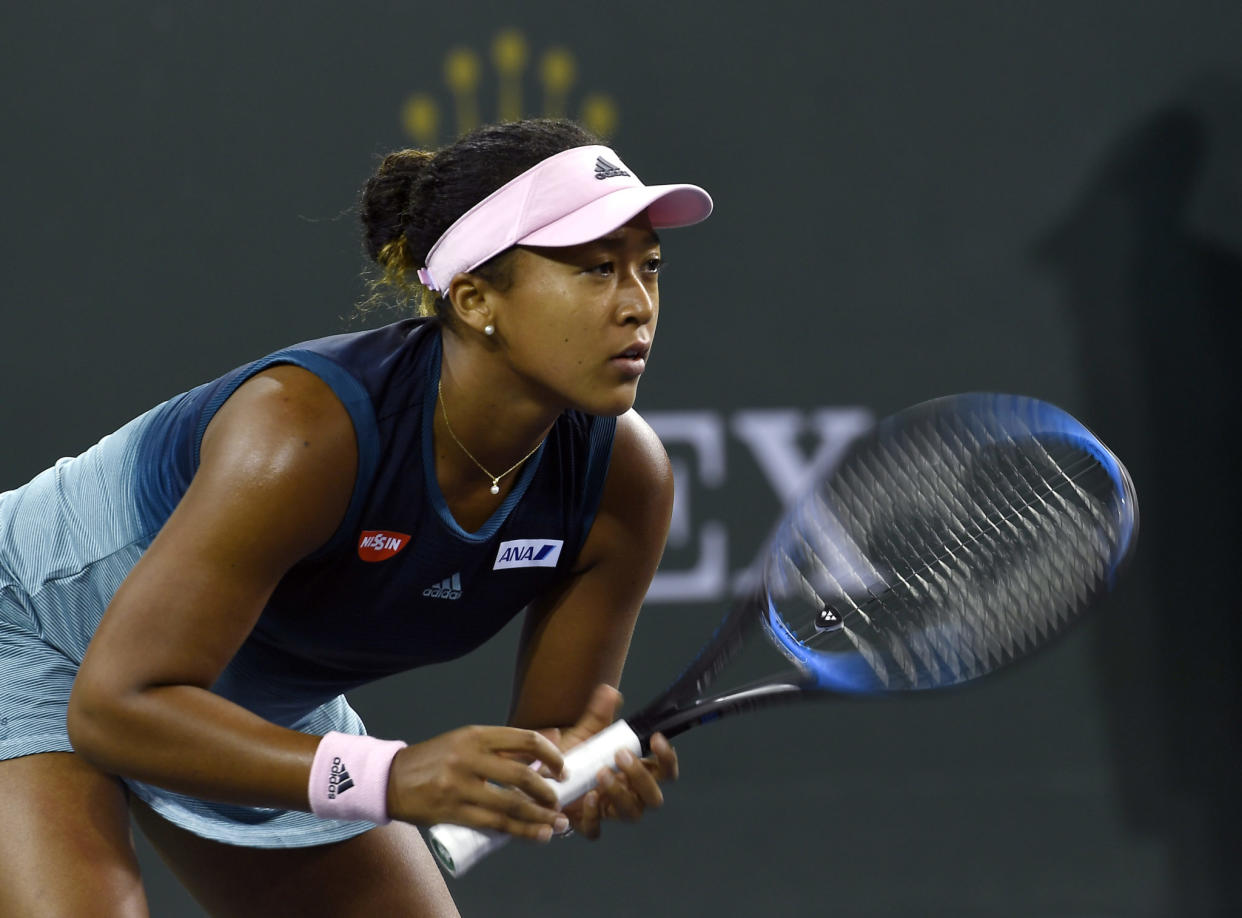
633,360
636,351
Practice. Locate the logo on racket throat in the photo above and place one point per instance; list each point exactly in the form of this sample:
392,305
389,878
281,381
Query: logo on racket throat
829,619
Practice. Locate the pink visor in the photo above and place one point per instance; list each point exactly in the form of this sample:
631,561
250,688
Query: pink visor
568,199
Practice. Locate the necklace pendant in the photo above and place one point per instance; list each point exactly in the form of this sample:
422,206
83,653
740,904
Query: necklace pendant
495,489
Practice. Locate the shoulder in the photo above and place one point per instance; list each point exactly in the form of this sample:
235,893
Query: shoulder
637,500
278,404
283,448
638,457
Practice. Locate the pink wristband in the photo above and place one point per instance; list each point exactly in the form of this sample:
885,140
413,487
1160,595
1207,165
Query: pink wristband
349,777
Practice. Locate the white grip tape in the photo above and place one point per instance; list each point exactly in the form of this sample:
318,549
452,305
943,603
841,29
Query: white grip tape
459,848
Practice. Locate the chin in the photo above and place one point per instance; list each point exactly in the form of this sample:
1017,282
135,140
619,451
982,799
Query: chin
614,404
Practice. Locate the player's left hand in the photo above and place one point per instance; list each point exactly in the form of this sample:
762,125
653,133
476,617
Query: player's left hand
623,793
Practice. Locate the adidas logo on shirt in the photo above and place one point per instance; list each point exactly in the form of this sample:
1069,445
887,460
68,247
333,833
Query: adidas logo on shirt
605,169
448,588
339,781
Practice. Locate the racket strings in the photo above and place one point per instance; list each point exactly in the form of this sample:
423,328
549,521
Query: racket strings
927,643
983,556
982,632
1053,578
1008,496
939,578
938,560
937,552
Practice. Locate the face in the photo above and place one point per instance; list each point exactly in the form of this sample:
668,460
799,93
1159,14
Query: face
577,323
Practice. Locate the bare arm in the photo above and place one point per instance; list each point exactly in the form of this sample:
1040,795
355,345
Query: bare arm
277,470
278,467
574,642
577,638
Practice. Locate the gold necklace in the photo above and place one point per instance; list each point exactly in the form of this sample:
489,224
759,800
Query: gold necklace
469,455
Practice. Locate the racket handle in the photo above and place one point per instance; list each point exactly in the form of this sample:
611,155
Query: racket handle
459,848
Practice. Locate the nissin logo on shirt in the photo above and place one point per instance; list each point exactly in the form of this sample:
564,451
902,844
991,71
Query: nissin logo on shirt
378,545
528,553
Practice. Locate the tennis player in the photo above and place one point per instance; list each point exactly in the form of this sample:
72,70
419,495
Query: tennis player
183,606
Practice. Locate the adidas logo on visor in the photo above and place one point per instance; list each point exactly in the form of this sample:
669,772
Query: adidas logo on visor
605,169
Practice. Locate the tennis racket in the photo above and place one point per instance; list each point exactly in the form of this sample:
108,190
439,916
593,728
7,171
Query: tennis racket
955,537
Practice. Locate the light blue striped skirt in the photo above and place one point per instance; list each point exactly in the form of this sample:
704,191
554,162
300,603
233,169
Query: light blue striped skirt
35,681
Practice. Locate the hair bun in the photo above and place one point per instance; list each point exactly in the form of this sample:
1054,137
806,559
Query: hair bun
387,197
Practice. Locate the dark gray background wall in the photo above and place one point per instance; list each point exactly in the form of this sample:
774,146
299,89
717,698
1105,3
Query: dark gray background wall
913,199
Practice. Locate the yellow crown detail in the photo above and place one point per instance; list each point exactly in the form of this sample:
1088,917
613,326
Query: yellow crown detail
463,73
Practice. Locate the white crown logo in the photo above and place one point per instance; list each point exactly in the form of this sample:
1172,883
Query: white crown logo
463,73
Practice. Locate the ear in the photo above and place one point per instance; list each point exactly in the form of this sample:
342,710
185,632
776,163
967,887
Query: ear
471,298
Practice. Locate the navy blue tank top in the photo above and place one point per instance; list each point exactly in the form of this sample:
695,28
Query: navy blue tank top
400,584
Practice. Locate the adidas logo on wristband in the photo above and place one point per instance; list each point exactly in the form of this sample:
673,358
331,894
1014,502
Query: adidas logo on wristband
339,780
365,777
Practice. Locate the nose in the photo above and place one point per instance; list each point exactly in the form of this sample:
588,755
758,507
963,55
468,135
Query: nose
638,299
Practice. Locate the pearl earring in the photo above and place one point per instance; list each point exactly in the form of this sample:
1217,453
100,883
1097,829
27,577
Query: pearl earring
489,329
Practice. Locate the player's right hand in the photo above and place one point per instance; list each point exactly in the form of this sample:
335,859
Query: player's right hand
479,777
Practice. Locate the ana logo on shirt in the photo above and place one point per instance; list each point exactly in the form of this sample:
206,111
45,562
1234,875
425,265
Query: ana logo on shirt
528,553
380,545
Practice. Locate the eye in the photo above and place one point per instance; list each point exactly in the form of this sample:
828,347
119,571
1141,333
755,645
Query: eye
654,264
603,269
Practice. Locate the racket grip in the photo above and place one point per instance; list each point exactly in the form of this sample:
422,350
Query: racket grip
459,848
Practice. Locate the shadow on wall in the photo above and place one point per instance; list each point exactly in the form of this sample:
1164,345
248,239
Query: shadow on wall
1150,265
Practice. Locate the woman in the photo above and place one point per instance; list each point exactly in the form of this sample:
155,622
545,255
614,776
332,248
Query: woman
183,605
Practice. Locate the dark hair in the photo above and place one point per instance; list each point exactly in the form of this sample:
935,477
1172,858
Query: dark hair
415,196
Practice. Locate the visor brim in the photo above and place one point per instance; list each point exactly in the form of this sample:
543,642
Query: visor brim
667,206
